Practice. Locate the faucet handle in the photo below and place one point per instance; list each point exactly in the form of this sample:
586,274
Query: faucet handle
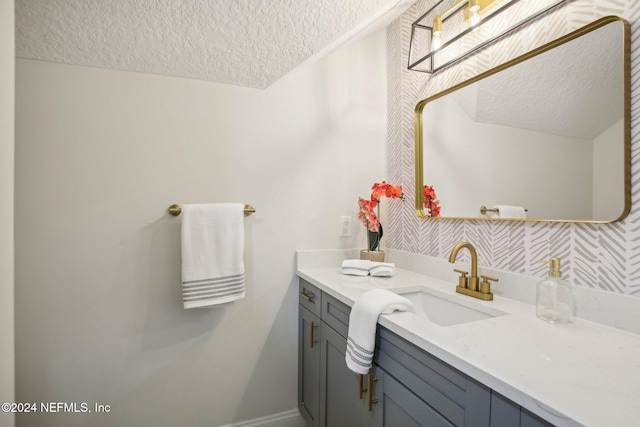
485,286
463,280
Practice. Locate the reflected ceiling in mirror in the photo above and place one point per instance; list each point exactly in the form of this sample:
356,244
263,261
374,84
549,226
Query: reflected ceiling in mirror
548,132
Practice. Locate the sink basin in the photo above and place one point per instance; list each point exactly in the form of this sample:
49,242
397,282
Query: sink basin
447,310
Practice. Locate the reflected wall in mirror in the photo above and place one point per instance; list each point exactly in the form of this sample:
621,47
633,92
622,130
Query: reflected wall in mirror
548,131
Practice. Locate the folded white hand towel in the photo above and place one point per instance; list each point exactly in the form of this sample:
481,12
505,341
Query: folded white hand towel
363,319
382,269
212,252
356,267
508,211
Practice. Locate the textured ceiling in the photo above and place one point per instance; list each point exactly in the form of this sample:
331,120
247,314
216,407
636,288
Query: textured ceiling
242,42
574,90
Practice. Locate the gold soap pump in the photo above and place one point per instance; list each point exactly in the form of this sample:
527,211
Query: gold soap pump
554,296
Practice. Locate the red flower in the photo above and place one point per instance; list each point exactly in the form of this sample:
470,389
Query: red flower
431,203
387,190
367,214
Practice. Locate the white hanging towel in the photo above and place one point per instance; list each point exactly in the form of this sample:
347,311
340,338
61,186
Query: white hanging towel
212,254
508,211
361,338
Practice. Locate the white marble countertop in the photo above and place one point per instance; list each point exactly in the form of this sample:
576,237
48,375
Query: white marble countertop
578,374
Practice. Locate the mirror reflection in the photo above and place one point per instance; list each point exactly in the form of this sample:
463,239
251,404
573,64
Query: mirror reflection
547,133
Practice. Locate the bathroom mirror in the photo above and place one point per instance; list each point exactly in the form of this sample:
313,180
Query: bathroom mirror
548,131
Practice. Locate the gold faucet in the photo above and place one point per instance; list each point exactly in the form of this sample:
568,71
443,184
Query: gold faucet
469,285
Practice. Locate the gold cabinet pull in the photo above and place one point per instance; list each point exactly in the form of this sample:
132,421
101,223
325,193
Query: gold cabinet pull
370,400
307,296
313,329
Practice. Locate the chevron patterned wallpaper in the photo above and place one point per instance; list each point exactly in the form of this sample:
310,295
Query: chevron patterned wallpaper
604,256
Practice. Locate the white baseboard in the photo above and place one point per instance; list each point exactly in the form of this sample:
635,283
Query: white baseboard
290,418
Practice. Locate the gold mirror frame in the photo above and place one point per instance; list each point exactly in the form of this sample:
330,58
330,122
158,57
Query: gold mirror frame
419,152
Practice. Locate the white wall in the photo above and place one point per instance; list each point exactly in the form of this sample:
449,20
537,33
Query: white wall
100,155
465,157
608,192
7,66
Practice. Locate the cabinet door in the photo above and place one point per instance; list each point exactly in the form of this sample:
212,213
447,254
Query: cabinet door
339,397
504,412
528,419
459,399
310,297
309,366
397,406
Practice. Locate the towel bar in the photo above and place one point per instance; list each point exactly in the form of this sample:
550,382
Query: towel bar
176,210
484,210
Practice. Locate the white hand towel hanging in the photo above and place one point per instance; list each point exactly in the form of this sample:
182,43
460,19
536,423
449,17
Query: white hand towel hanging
361,338
212,254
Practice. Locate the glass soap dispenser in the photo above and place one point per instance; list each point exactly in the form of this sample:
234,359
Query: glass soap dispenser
554,296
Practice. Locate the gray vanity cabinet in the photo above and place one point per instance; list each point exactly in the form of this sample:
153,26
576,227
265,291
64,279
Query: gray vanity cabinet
409,387
442,395
397,406
309,325
506,413
341,402
339,397
308,366
328,392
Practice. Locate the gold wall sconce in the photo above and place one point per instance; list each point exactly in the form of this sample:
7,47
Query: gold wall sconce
442,37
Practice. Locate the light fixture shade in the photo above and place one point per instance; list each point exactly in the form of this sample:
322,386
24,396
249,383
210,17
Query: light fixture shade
452,30
436,37
437,24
